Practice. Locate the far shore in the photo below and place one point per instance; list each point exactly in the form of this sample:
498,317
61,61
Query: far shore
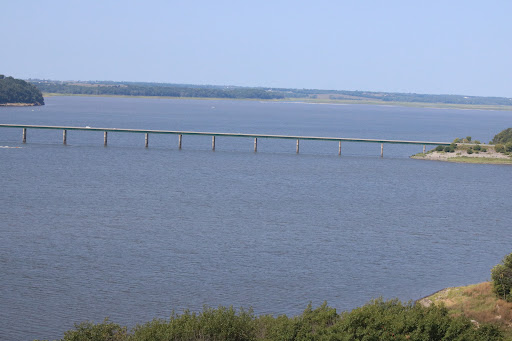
317,101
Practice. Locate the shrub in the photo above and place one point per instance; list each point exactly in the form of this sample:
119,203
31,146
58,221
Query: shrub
499,148
439,149
468,138
503,137
508,147
469,151
501,277
87,331
484,150
477,147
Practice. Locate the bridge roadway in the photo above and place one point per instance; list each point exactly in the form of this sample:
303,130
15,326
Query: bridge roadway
213,135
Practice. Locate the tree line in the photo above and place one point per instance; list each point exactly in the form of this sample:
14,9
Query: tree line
145,89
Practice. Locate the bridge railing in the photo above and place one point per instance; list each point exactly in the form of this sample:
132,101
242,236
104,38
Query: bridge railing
216,134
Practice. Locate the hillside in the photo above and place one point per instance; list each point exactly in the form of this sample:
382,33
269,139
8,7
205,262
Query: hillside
476,302
18,92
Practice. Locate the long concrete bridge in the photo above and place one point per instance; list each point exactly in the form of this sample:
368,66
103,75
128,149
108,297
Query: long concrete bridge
213,135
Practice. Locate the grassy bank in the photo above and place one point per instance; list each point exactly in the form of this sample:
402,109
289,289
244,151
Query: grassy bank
320,101
466,159
476,302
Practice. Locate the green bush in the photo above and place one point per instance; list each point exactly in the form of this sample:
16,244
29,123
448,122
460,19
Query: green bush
439,149
477,147
211,324
484,150
88,331
499,148
469,151
508,147
449,149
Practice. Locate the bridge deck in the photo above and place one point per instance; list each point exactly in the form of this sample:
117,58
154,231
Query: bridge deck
264,136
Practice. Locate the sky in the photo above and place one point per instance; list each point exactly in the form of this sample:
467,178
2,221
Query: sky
413,46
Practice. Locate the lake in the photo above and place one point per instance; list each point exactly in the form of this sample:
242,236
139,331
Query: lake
131,233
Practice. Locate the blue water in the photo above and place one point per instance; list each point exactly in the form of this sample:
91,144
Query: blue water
133,233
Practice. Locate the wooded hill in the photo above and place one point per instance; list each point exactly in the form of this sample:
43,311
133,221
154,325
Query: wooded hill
17,91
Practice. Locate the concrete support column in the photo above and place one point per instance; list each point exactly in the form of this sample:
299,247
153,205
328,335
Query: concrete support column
179,140
105,133
381,149
339,148
255,144
424,149
213,142
64,136
147,139
24,135
297,149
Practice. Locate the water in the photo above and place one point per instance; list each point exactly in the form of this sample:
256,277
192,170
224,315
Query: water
132,233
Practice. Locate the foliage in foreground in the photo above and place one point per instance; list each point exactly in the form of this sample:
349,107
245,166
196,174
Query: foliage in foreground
377,320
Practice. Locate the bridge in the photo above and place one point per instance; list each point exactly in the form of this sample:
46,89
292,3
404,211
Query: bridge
214,135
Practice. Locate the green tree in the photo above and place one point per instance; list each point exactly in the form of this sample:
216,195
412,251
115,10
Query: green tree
501,276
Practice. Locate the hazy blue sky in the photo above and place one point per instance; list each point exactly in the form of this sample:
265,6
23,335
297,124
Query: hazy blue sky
448,47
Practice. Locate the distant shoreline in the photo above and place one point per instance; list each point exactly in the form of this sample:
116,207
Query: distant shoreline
315,101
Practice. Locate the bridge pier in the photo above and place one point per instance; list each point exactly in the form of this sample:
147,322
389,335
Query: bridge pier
297,149
213,142
255,144
179,141
24,135
64,137
381,149
147,140
339,148
424,148
105,133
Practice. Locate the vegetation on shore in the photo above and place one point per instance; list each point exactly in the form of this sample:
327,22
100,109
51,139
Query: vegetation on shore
475,312
18,92
377,320
104,88
487,302
467,150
